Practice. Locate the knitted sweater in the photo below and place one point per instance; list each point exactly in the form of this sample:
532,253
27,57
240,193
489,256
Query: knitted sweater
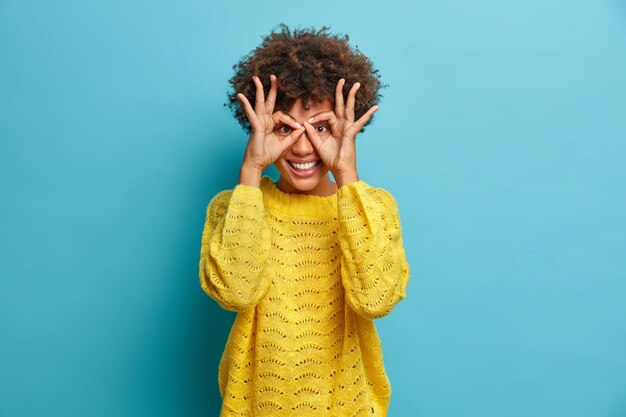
307,275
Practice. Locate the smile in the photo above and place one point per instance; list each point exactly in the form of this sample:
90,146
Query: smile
304,170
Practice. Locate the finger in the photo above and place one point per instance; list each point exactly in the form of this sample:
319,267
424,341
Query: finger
339,97
279,116
287,142
248,109
350,102
292,138
329,116
259,106
312,135
271,96
365,118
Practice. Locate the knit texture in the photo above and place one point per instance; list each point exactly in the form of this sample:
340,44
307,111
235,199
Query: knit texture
307,275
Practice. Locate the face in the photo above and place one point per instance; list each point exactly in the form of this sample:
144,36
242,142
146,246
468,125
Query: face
314,180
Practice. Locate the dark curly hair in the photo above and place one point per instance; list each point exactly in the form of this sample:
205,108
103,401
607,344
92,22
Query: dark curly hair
308,63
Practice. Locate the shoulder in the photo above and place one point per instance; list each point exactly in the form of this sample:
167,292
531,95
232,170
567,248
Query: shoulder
218,203
243,194
379,194
385,197
386,204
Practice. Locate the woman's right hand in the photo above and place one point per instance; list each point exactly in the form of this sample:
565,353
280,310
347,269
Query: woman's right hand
264,146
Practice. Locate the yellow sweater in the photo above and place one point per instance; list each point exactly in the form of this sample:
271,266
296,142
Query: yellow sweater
307,275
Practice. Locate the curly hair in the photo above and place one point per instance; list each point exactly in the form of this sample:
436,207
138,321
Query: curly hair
308,63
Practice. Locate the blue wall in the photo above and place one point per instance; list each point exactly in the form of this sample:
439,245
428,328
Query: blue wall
502,136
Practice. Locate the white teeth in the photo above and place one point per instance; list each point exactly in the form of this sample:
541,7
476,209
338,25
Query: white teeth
304,166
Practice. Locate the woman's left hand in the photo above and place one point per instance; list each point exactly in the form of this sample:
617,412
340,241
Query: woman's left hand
336,148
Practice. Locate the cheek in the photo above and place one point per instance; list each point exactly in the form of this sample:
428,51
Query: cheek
283,165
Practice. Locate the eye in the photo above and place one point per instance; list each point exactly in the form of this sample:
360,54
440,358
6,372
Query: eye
284,129
321,129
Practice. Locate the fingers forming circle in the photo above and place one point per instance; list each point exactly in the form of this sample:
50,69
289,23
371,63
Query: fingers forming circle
327,115
292,138
279,116
312,135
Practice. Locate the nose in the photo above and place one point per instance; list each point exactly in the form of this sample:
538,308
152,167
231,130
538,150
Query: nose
303,145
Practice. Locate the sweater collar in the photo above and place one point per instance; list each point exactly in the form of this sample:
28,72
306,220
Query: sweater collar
306,205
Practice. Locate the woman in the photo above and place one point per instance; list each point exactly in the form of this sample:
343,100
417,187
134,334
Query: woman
306,263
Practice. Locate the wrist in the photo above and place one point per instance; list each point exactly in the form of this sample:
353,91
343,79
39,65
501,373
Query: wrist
346,177
250,175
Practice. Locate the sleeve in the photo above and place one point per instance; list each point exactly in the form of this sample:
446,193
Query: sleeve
374,269
235,245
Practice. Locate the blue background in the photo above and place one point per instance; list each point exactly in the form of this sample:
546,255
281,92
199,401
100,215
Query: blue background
502,136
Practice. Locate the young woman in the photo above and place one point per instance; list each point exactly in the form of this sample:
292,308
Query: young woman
307,263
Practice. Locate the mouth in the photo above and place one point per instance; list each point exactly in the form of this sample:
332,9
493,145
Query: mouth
304,170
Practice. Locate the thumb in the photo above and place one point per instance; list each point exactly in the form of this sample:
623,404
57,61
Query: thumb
292,138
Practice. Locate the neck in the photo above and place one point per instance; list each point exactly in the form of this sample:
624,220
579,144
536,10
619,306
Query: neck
325,187
297,204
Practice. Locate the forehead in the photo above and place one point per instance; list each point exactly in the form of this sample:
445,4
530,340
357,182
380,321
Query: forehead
311,107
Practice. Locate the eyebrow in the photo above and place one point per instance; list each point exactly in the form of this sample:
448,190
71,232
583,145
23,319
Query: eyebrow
307,119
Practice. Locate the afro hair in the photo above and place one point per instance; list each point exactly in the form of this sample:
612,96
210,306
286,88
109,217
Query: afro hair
308,63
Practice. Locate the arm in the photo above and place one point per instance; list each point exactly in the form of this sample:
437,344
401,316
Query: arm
374,269
235,246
